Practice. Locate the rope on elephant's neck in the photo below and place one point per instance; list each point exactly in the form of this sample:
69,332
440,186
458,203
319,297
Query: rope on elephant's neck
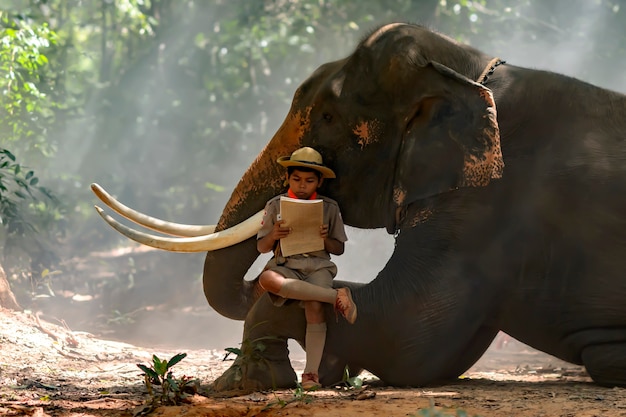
491,67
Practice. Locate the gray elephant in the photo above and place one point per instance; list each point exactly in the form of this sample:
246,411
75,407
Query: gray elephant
505,188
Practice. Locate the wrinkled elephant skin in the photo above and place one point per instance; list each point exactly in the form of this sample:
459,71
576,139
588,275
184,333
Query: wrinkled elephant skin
508,194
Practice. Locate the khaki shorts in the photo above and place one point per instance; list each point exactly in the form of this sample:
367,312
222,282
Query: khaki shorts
318,271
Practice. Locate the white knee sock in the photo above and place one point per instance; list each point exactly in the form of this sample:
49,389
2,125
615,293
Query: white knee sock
314,342
301,290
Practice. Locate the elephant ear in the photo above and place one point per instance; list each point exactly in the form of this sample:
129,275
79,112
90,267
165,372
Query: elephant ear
451,138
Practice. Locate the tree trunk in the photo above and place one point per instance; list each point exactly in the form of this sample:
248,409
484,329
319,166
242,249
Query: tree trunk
7,299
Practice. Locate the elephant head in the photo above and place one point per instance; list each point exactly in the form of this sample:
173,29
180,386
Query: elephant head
400,120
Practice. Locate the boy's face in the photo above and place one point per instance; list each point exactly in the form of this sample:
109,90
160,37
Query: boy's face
303,184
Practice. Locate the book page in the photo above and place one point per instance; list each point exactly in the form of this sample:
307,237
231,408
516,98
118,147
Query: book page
305,218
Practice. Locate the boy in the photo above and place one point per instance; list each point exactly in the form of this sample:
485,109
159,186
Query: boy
307,277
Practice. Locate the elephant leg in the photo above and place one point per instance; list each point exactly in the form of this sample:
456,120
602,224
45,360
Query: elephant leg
473,350
264,359
606,363
332,369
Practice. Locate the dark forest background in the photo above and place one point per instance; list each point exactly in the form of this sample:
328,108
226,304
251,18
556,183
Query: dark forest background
166,102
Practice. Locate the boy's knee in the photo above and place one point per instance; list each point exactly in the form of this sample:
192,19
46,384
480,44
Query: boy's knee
270,281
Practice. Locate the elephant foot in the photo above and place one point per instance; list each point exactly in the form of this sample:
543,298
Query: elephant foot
245,377
263,362
605,362
332,370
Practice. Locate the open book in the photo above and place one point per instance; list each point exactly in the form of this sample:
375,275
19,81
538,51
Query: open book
305,218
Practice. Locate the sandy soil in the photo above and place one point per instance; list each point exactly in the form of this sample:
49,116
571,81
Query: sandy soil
49,370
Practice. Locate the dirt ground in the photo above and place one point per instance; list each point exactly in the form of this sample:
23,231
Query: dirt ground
49,370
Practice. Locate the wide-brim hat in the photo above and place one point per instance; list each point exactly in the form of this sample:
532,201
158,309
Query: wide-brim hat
307,157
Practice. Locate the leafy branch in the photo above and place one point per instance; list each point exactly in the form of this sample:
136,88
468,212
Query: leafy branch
17,186
26,109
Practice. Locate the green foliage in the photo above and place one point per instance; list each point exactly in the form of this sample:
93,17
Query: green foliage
351,382
118,317
172,391
16,187
433,411
44,280
28,211
27,110
299,395
250,353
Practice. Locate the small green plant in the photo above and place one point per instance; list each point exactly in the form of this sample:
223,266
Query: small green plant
300,395
251,350
117,317
45,281
433,411
173,390
250,353
351,382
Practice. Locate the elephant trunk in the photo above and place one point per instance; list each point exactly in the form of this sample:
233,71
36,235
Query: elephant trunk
225,288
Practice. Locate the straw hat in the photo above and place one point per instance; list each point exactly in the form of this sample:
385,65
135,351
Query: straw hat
307,157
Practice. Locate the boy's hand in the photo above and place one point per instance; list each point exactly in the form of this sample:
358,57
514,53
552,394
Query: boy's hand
331,245
278,231
324,231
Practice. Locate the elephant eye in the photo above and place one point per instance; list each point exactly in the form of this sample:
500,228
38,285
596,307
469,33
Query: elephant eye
328,117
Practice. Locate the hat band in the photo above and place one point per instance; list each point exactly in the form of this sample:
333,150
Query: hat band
307,162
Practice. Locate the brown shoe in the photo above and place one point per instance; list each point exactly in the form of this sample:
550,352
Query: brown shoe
310,381
345,305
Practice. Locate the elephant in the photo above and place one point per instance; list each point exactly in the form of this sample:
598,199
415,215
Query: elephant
505,189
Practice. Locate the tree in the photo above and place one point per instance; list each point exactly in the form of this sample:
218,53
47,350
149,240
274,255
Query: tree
7,299
22,115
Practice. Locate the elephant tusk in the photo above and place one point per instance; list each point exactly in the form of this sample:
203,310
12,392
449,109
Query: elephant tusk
209,242
162,226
